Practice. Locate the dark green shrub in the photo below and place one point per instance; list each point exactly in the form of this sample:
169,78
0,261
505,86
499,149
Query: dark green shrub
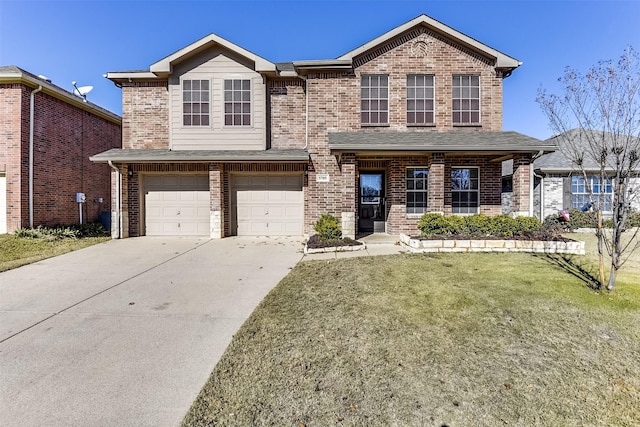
328,228
633,219
580,219
503,226
526,224
434,224
477,225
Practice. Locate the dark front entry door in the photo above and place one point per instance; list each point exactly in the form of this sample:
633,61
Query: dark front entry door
372,213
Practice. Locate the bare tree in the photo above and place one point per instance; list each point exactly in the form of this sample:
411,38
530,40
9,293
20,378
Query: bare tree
597,119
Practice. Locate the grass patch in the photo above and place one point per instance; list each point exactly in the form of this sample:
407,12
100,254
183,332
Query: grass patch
432,339
16,251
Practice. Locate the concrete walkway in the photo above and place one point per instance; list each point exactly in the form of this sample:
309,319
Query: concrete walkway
126,333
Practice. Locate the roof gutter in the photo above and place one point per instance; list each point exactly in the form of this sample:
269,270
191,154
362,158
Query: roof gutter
31,119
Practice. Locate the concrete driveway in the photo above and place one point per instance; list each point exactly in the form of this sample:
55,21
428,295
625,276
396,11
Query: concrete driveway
127,332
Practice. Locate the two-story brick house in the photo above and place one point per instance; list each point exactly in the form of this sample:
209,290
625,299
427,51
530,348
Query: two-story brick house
218,141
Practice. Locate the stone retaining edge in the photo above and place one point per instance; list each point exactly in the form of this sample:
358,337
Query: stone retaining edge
549,247
308,250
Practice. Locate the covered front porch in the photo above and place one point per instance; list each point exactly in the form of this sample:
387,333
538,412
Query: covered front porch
397,177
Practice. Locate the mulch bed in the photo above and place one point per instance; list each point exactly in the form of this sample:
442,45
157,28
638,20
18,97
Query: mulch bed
314,242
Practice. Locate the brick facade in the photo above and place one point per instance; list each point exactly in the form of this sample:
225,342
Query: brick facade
65,136
305,105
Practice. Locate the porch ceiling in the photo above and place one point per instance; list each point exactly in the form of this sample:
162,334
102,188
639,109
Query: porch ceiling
433,141
200,156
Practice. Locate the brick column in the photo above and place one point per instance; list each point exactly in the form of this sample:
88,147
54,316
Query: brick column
521,184
436,182
216,201
349,194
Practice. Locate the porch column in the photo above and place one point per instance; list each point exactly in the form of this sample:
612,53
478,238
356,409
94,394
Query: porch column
216,201
436,182
349,194
521,185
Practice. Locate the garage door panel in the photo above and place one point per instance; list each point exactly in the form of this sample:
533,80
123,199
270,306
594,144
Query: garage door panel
177,205
271,205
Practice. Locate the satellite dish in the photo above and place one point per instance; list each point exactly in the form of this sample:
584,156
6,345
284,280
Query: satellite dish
81,91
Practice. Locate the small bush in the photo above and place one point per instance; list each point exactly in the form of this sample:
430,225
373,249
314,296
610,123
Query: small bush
433,224
328,228
477,225
526,224
633,219
75,231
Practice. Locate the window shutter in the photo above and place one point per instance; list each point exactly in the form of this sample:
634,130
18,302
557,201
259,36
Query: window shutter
566,192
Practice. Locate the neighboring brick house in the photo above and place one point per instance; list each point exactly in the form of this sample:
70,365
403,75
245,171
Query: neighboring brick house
218,141
560,184
58,131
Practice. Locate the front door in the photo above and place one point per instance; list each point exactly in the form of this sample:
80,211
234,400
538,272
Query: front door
372,212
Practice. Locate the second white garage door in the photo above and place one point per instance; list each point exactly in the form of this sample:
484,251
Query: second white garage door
268,205
177,205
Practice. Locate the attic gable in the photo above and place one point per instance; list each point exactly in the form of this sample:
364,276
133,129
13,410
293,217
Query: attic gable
424,24
164,67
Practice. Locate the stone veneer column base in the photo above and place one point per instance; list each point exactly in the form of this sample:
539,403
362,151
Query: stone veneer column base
215,224
349,225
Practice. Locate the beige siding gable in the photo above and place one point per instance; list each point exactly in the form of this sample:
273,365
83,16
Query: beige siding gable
217,65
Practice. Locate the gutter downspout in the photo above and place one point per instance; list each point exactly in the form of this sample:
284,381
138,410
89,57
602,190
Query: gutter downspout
31,119
532,174
118,195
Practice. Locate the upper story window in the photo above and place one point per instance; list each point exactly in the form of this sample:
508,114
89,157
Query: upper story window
417,184
586,193
466,100
195,102
237,102
465,190
420,99
374,99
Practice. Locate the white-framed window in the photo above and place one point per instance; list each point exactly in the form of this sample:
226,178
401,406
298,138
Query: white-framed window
417,181
237,102
195,102
374,99
466,100
465,190
582,198
420,99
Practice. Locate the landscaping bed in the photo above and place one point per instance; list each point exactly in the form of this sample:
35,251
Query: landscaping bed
316,245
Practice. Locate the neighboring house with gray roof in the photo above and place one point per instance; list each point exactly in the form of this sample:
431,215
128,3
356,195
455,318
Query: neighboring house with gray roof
559,183
219,141
46,137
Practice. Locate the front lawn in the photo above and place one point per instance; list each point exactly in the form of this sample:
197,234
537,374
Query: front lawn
433,339
16,252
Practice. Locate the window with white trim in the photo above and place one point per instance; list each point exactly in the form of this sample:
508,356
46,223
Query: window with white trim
417,190
237,102
465,190
420,99
581,197
374,99
195,102
466,100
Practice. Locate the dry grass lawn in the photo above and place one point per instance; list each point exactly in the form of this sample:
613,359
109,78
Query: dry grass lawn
16,252
443,339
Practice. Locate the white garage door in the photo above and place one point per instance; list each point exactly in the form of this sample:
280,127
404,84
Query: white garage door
269,205
3,204
176,205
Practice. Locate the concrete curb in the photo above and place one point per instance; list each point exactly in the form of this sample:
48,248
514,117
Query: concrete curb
308,250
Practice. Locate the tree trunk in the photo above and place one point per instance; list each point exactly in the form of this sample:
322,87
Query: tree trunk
600,234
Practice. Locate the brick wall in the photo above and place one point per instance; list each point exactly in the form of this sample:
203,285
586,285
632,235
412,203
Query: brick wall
65,137
287,111
145,115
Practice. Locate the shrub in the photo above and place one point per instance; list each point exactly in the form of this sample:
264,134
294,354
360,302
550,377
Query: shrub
75,231
328,228
526,224
434,224
504,226
477,225
633,219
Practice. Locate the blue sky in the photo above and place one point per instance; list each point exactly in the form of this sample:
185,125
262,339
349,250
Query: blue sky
82,40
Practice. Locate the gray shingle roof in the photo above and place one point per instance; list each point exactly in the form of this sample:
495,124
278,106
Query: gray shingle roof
560,161
160,156
475,141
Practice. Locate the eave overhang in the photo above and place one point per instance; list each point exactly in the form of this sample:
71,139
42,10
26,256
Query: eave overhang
118,155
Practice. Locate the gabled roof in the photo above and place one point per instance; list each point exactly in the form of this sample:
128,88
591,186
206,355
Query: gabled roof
561,162
458,141
13,74
501,60
165,65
